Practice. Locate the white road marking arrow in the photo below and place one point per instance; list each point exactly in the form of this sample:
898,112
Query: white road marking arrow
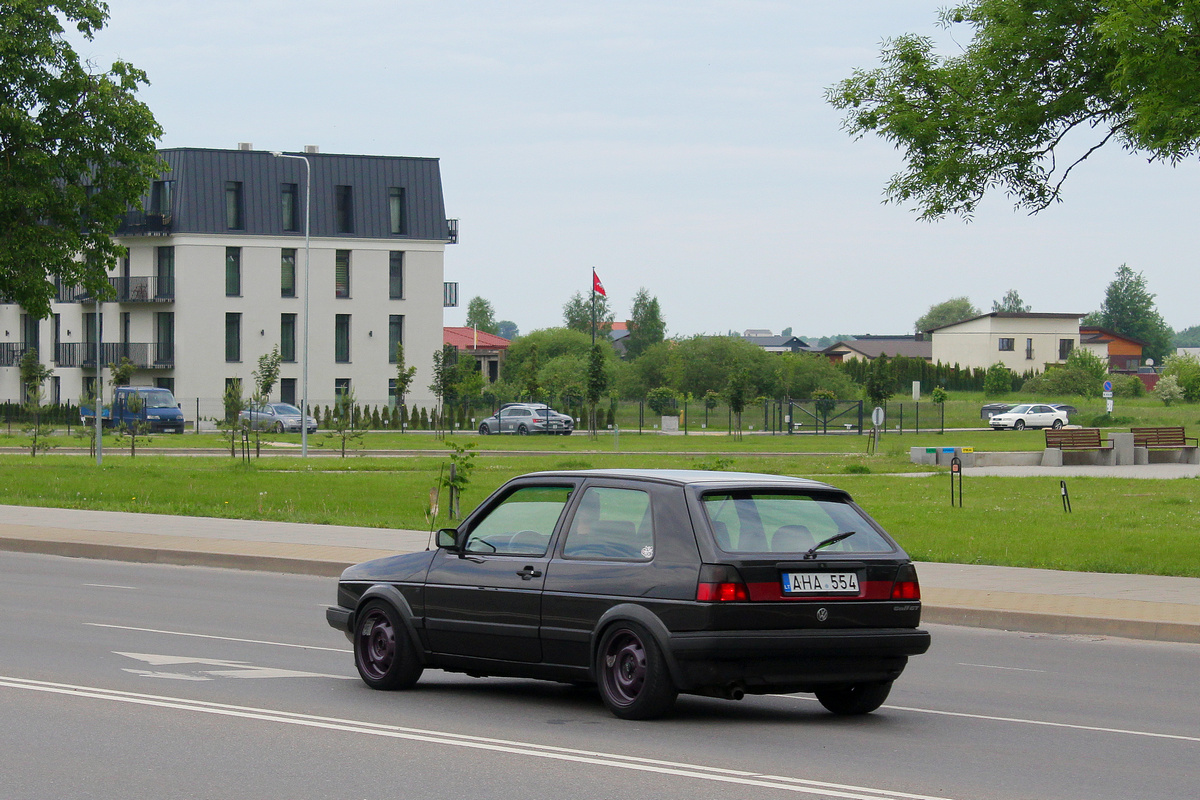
232,669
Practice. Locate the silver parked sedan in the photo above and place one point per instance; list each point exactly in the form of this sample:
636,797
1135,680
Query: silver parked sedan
278,417
526,418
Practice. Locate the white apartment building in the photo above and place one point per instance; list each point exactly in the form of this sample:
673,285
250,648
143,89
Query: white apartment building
1020,341
215,278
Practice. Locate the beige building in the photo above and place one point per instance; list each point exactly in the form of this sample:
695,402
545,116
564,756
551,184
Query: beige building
214,279
1021,341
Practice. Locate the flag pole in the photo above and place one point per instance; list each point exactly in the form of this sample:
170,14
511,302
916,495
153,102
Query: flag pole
593,306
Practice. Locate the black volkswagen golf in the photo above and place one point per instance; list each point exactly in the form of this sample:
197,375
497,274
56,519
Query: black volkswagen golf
648,583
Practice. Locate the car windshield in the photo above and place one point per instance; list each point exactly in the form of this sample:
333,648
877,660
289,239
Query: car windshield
286,410
158,398
789,522
1020,409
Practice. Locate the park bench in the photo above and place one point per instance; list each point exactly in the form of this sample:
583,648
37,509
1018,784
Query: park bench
1166,437
1075,439
1162,437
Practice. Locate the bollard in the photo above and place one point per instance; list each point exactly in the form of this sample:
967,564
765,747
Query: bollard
956,471
1066,497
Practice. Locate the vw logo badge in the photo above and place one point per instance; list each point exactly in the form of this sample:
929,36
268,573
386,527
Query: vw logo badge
822,615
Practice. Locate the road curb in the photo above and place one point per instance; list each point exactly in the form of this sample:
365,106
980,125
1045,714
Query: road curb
966,616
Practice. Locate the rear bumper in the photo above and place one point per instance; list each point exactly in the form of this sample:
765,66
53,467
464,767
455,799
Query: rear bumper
791,660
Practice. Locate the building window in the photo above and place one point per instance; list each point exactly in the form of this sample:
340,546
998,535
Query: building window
397,211
126,323
164,323
341,338
31,332
344,208
161,193
1007,345
89,388
233,337
395,335
287,272
233,272
341,273
396,275
165,278
55,390
391,392
287,390
165,383
341,389
287,337
233,205
1029,349
289,195
1065,346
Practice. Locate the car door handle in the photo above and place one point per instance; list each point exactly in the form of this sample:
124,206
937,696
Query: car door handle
529,573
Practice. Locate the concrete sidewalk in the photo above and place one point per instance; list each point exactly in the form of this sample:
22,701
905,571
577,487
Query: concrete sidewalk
1035,600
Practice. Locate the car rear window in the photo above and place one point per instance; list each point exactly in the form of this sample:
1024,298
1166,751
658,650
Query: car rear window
788,522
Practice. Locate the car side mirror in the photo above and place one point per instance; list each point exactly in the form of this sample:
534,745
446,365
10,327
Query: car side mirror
447,539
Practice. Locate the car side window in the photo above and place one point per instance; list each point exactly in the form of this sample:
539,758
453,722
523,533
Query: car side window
611,523
521,524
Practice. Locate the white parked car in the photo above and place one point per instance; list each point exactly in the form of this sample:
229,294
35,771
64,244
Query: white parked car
1029,415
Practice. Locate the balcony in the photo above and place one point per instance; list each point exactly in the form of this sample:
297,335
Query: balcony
451,231
10,353
449,294
157,289
144,355
139,223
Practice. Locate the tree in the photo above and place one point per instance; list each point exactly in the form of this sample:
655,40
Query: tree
33,376
1188,337
1041,85
267,374
646,326
998,380
956,309
76,150
508,329
881,382
577,314
1010,303
122,373
481,316
1129,310
404,379
444,368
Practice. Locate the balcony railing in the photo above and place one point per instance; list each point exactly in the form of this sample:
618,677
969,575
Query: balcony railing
451,231
157,289
449,294
139,223
10,353
144,355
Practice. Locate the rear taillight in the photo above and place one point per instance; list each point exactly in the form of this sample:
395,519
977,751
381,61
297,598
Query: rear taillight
906,586
720,583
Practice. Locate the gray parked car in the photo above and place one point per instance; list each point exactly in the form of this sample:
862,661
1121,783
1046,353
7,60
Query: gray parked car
526,418
278,417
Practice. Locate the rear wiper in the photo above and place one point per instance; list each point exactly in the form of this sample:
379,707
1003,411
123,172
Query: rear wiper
812,553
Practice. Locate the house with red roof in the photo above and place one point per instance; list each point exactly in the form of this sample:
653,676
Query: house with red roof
487,349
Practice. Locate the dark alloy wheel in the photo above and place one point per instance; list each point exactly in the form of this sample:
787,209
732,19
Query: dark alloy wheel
522,431
1057,424
484,430
382,651
854,699
632,673
1019,425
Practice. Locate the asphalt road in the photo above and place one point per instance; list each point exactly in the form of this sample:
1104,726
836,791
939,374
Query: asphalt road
147,681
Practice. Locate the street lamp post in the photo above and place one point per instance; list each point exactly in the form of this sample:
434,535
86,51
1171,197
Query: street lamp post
304,349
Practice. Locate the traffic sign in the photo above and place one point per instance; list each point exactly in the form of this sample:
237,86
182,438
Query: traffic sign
1108,386
877,416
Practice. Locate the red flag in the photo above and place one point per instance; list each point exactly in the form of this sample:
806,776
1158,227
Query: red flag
597,286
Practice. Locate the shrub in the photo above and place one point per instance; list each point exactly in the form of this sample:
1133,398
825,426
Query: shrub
1168,390
998,381
1127,386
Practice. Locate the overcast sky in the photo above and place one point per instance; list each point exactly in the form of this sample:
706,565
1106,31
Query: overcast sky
684,147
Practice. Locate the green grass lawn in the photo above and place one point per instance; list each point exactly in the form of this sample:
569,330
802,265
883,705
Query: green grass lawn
1117,525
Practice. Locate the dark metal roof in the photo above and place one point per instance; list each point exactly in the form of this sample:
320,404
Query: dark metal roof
200,175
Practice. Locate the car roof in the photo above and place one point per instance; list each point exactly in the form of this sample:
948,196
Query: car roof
693,477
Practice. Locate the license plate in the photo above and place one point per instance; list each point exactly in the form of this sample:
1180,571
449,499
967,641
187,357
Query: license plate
800,583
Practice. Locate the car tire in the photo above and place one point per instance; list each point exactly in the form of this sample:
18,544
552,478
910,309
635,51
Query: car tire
854,699
383,652
1019,425
1057,424
632,673
279,427
483,430
522,431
